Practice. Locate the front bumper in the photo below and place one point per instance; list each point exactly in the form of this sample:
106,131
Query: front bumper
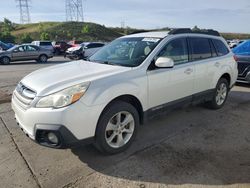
73,124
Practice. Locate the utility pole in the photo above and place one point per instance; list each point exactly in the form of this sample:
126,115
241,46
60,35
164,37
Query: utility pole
24,11
74,10
122,24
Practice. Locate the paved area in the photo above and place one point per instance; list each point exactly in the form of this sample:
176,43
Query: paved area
189,147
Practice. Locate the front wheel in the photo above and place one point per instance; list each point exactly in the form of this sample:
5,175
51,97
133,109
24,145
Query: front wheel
5,60
117,128
220,94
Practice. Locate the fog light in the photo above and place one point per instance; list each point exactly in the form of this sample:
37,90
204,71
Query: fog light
52,138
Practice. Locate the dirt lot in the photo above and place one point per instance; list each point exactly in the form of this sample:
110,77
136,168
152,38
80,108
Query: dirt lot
189,147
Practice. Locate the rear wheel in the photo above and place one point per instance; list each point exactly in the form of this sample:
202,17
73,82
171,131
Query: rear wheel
220,94
43,59
117,128
5,60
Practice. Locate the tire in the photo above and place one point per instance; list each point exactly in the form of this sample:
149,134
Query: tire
220,95
113,137
5,60
42,59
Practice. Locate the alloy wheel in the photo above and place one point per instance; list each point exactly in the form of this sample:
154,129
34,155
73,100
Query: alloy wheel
221,94
120,129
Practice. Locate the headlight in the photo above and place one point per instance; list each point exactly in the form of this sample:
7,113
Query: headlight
64,97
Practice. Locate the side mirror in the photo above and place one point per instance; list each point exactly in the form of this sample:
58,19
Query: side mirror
164,62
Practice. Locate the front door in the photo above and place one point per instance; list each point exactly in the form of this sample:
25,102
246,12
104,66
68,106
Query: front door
18,54
167,85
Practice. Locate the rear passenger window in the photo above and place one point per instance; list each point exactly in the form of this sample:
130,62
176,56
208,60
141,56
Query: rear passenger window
176,50
220,47
45,44
200,48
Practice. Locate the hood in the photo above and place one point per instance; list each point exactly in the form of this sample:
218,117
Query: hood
55,78
2,52
73,49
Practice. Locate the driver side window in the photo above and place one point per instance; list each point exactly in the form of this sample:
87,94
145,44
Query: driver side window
176,50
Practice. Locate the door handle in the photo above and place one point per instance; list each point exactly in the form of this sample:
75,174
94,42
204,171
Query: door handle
217,64
188,71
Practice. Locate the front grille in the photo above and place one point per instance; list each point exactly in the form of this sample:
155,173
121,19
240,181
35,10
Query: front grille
243,67
23,96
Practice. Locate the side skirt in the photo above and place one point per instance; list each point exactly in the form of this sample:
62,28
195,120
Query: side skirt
164,109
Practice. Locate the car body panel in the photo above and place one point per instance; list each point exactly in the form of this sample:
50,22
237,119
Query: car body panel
68,74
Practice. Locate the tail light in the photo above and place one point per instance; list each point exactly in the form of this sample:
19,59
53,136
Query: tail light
236,58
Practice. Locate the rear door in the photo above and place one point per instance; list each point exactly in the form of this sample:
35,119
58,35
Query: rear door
32,52
171,84
202,55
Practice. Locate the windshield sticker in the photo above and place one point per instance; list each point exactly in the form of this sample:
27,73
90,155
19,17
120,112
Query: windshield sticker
150,39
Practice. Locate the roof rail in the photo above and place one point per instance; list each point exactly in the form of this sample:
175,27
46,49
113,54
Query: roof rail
139,31
188,30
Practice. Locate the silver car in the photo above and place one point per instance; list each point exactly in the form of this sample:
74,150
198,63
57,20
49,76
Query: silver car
25,52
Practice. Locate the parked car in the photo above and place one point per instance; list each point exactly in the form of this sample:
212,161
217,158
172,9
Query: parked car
242,54
75,43
25,52
60,47
83,51
105,99
235,43
4,46
44,44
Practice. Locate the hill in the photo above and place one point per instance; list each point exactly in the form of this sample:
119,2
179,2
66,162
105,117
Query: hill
85,31
64,31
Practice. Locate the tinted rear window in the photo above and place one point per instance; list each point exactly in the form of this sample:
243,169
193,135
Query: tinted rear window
45,44
200,48
220,47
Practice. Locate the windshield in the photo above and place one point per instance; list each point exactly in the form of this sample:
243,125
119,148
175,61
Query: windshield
12,48
130,52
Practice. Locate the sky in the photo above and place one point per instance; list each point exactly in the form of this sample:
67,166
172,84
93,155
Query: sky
222,15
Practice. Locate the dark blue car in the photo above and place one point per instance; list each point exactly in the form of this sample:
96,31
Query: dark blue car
4,46
242,53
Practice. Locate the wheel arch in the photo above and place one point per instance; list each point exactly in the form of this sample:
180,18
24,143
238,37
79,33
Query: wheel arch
134,101
43,54
227,77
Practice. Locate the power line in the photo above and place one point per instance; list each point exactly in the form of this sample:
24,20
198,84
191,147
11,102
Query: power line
74,10
24,11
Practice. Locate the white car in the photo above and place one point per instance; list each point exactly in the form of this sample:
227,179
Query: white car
83,51
135,77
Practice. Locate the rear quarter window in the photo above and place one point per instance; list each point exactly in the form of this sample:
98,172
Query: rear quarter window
220,47
45,44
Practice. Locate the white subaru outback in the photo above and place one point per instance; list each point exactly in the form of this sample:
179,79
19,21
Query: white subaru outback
105,99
